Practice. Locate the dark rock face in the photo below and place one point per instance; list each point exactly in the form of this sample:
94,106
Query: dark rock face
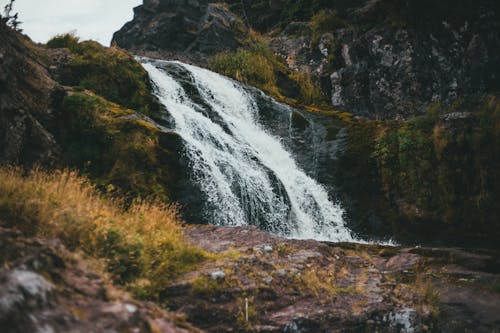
399,73
396,72
191,29
28,98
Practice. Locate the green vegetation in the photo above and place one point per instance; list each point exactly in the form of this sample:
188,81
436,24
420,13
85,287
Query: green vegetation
323,22
432,171
322,283
142,245
297,10
113,145
109,72
204,286
259,67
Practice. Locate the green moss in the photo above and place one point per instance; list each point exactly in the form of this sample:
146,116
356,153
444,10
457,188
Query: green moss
103,140
445,171
109,72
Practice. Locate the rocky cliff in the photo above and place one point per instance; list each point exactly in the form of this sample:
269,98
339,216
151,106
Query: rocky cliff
182,28
28,98
378,59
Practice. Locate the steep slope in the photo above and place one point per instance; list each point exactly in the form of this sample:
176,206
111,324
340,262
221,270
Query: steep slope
81,105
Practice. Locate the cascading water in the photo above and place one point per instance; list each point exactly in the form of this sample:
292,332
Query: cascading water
246,175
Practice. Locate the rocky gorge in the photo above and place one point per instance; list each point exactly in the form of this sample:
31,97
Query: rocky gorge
408,161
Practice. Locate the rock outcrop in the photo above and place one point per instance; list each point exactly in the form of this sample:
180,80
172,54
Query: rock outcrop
28,98
309,286
396,70
180,28
45,288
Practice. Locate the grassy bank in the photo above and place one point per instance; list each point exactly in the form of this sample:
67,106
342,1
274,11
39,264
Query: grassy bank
142,244
257,66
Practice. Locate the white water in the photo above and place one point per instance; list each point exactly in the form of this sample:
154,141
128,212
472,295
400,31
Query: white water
247,175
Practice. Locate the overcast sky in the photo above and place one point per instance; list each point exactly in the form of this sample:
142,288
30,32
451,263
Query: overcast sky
92,19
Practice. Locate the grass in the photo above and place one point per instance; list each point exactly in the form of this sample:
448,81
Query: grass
142,244
204,285
430,296
322,283
256,65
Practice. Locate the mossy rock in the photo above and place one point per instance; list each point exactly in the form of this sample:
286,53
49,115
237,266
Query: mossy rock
109,72
116,146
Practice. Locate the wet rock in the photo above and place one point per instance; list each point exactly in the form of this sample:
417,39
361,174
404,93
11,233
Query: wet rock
402,262
355,292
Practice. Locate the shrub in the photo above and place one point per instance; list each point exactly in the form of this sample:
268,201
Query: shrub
255,66
143,242
69,41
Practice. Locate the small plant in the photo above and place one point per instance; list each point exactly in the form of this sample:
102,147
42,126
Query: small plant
69,41
204,286
10,19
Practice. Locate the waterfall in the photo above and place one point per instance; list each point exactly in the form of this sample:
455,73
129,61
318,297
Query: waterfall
246,174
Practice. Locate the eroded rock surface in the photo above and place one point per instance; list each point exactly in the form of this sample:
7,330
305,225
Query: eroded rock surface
45,288
385,59
308,286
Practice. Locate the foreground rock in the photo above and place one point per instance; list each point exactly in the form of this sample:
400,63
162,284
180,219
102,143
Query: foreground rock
45,288
290,286
308,286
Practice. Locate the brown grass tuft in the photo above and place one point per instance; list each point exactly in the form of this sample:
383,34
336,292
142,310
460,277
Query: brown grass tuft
142,242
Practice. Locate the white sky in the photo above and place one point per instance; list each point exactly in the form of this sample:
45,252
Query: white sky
92,19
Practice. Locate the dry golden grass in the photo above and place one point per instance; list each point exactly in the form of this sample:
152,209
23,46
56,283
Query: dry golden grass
322,282
143,242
